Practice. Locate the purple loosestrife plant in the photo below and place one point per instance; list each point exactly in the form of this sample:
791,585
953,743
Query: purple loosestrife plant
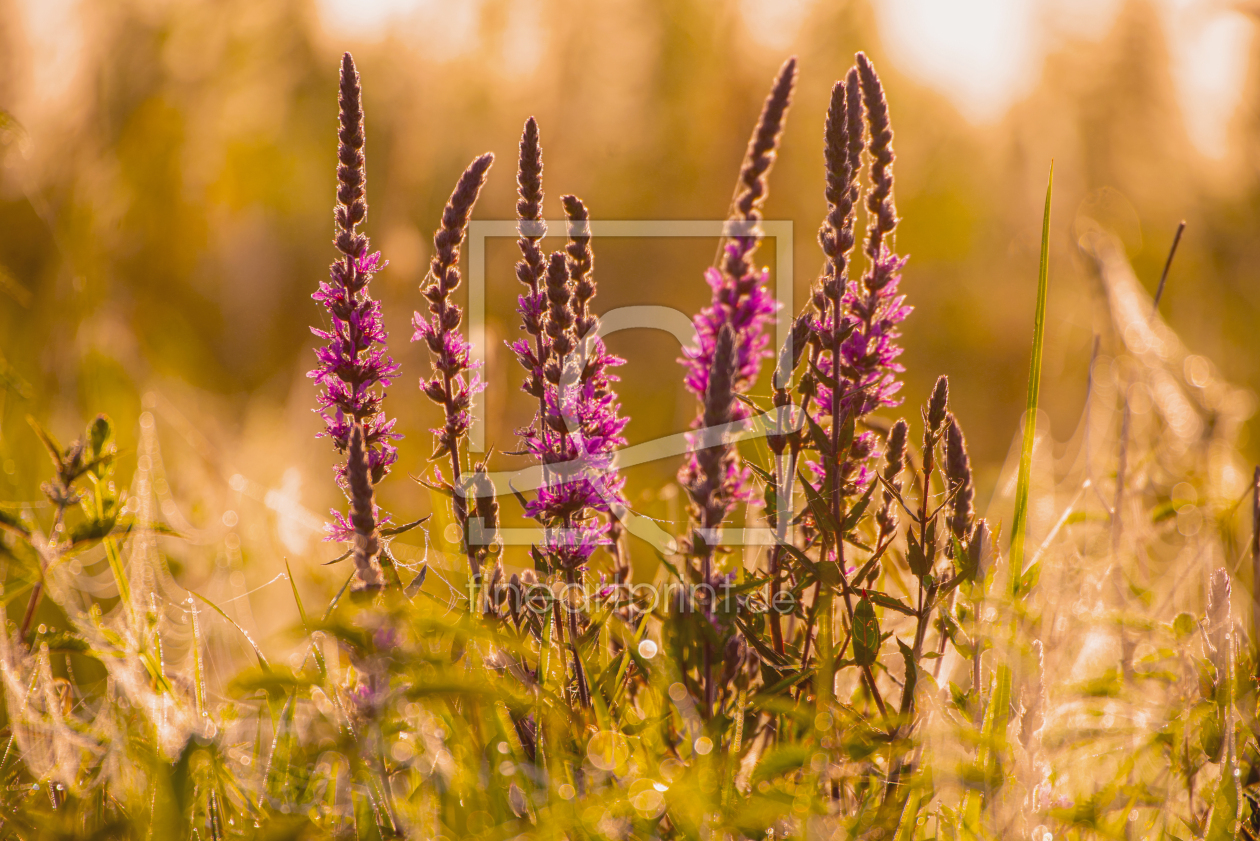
532,267
731,343
453,383
868,357
355,360
579,426
853,364
962,490
855,330
581,429
743,305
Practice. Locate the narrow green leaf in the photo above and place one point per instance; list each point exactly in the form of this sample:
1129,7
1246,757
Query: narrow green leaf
890,602
11,520
860,576
748,401
799,556
916,557
859,508
113,554
826,380
98,434
762,474
818,436
1020,526
262,661
866,639
786,683
297,598
406,527
819,505
339,558
45,437
912,673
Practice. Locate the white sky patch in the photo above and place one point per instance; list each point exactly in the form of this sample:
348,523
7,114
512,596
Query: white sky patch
524,37
982,54
54,32
775,24
295,525
987,54
449,29
1210,50
365,18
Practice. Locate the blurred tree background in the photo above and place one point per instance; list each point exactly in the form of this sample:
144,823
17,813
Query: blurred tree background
167,190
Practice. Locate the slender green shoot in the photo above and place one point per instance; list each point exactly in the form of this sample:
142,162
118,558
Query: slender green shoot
1020,527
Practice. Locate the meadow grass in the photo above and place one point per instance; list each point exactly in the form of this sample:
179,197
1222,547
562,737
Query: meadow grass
890,666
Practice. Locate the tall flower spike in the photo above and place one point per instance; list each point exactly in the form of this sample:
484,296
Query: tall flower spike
351,178
453,384
1218,620
938,405
486,506
448,387
752,186
836,234
362,513
958,472
855,126
532,303
741,305
582,425
856,325
895,461
710,477
355,361
581,260
879,201
559,322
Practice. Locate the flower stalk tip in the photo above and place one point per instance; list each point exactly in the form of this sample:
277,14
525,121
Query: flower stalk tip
354,364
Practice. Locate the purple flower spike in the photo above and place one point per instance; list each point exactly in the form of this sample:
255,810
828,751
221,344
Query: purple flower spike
579,426
855,325
868,356
748,309
454,383
355,361
731,337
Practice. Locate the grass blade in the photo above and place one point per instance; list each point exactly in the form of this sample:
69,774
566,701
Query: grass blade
1020,527
262,661
306,626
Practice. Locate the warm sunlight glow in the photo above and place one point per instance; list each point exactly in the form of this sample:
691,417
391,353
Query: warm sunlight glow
983,54
1209,57
986,54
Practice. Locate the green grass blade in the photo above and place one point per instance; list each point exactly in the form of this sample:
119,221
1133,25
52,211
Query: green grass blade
306,626
119,572
262,661
297,597
199,667
1019,529
989,753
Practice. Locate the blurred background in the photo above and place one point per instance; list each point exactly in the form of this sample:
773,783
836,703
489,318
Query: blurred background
167,186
